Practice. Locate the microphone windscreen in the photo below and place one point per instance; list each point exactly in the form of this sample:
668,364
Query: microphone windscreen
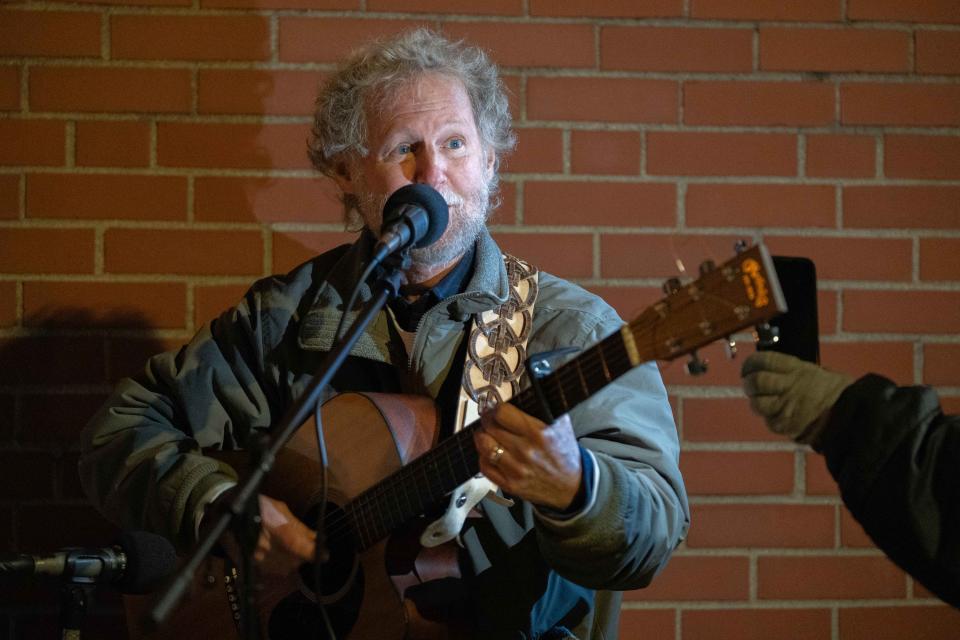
150,560
426,198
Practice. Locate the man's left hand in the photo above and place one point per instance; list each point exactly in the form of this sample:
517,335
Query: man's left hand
527,458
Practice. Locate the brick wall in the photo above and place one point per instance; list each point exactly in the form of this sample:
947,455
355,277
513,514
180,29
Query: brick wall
152,163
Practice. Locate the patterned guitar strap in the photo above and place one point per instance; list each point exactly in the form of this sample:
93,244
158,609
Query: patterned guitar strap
496,352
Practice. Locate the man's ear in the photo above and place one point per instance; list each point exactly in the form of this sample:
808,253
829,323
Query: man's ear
343,176
490,156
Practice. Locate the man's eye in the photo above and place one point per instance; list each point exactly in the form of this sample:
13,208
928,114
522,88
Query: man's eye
455,143
403,149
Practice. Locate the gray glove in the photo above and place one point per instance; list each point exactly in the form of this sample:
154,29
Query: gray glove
791,394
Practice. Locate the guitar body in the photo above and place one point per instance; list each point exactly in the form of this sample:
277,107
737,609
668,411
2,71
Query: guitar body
368,437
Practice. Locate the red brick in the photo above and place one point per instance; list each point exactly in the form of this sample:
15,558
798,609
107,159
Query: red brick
901,207
56,419
723,420
852,534
167,3
896,311
50,33
9,197
27,476
850,258
292,249
9,89
711,473
676,49
111,305
629,302
608,8
588,99
798,49
841,156
242,146
101,196
112,144
827,311
493,7
46,250
623,203
761,205
938,259
892,359
939,365
810,11
506,212
900,104
32,142
929,157
692,577
256,91
529,45
186,252
105,89
167,37
128,356
52,361
210,301
950,404
44,531
756,624
916,623
538,151
220,199
657,256
938,52
713,154
637,623
761,525
819,482
562,254
8,304
898,11
605,152
330,39
828,578
758,103
282,4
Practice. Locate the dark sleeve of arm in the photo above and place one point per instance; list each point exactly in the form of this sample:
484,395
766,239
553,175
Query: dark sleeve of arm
896,458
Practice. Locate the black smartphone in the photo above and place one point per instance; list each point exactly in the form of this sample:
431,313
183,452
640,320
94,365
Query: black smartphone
798,332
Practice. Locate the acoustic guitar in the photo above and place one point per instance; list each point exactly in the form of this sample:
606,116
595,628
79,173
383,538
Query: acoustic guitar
387,469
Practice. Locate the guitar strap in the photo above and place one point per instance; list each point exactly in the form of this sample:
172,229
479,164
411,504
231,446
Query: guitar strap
496,352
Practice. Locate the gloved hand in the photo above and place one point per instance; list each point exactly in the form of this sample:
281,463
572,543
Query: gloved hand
791,395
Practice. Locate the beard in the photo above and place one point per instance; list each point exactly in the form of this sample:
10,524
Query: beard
468,215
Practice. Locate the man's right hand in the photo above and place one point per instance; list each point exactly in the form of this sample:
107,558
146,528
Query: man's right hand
285,542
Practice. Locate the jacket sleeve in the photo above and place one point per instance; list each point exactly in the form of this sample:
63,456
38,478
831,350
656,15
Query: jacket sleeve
896,459
639,511
141,463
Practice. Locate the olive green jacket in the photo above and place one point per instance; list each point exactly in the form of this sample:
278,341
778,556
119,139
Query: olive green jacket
142,466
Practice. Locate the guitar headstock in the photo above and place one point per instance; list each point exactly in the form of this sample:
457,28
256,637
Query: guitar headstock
741,292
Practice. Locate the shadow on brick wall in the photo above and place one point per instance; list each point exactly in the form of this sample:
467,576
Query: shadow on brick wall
52,379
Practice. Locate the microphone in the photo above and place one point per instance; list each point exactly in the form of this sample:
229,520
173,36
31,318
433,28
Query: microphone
413,215
136,565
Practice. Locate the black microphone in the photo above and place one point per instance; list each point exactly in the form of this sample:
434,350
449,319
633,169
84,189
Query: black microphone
137,564
413,215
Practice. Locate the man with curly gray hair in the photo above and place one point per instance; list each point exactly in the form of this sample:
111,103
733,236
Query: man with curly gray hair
569,511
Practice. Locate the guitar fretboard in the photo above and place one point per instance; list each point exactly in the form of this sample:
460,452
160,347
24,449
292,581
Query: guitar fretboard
423,483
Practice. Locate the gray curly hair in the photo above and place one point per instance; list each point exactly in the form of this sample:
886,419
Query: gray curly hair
370,75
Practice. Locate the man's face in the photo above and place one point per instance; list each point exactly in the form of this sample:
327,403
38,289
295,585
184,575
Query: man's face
425,133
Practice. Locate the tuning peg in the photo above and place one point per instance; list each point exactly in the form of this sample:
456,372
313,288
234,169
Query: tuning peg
696,366
740,246
730,347
707,266
766,335
672,285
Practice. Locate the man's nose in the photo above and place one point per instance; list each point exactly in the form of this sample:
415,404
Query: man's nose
431,168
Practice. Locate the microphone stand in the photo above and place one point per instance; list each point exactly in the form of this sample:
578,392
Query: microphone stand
244,500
